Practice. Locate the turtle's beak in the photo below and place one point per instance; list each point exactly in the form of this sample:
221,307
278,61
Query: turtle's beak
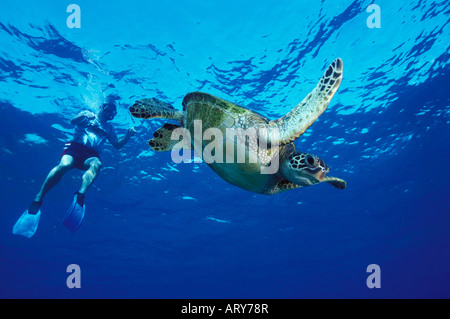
319,176
322,170
316,175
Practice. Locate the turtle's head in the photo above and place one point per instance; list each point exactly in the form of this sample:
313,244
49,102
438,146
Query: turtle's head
305,169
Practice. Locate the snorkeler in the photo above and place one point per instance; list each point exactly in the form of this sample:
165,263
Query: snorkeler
82,152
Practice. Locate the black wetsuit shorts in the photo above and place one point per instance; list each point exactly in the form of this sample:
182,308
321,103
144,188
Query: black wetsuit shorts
80,153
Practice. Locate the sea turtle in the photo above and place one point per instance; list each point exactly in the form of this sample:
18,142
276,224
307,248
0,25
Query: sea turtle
296,169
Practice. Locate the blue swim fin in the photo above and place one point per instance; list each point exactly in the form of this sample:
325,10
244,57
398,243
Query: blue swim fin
27,224
74,216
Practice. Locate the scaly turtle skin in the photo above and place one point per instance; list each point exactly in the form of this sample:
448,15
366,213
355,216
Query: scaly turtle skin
295,169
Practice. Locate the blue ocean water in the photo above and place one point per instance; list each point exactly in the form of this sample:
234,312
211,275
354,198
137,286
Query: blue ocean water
156,229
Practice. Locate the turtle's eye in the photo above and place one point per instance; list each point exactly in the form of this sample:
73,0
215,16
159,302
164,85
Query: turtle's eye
310,160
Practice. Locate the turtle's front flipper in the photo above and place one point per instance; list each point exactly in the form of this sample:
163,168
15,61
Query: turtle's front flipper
154,108
296,122
162,138
336,182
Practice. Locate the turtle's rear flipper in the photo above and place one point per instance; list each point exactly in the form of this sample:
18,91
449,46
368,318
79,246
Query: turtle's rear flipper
154,108
162,139
281,186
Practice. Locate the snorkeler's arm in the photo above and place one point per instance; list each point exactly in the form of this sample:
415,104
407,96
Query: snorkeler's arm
119,143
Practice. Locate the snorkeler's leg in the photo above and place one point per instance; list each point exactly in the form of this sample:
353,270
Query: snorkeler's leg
27,224
75,214
91,173
54,176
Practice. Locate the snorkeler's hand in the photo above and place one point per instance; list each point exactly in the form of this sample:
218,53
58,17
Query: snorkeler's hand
131,131
89,115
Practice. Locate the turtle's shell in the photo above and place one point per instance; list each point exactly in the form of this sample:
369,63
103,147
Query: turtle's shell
215,112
